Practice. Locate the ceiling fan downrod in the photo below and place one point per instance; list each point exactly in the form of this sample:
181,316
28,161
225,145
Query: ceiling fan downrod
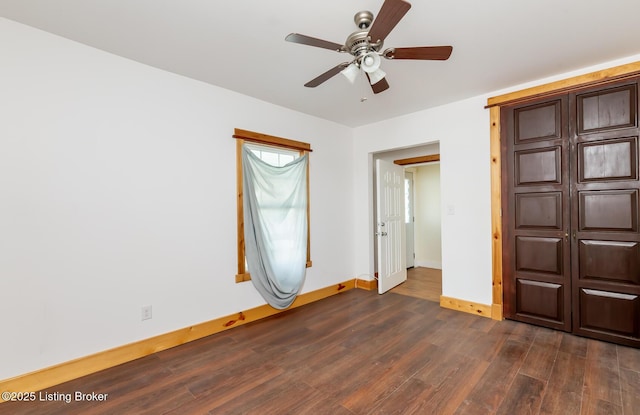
363,19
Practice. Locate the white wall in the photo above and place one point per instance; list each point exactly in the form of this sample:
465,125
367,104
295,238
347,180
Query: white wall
462,128
428,235
118,191
409,152
464,147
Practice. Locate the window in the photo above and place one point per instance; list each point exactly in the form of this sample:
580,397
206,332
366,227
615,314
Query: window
275,156
408,189
273,150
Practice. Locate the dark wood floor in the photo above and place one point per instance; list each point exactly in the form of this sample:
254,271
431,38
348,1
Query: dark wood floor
363,353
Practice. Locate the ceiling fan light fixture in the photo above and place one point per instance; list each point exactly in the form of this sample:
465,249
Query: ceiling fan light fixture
351,72
376,76
365,47
370,62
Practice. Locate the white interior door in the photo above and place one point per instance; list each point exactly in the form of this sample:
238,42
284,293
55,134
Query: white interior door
409,219
392,268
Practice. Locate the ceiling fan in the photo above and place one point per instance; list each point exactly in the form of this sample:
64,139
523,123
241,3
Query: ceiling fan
365,46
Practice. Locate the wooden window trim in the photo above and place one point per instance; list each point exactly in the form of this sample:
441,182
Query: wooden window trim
271,140
494,104
241,137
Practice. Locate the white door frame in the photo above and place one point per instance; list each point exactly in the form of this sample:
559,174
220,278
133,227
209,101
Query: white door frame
410,224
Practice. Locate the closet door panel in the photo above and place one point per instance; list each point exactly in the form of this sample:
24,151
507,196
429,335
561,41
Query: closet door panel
540,210
608,160
539,254
611,261
608,210
542,301
538,122
538,166
605,109
610,314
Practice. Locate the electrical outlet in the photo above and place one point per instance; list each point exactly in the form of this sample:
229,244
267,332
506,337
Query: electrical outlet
146,312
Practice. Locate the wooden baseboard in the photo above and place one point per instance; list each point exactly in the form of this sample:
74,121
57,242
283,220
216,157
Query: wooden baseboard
64,372
496,311
369,285
429,264
466,306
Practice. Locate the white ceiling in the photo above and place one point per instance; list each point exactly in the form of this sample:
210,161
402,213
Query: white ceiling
239,45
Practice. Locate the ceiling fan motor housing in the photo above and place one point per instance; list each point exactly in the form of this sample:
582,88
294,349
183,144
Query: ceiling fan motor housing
358,43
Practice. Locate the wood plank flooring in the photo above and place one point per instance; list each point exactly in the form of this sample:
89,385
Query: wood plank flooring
425,283
363,353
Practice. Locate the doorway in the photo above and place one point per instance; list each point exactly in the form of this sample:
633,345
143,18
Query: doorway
422,213
424,280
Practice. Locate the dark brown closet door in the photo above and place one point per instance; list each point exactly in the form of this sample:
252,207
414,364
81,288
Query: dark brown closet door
536,254
605,236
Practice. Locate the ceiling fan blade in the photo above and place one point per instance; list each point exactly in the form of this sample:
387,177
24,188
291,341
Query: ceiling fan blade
380,86
327,75
312,41
436,53
391,12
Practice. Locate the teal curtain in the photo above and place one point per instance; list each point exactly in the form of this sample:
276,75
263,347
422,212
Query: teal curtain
275,226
